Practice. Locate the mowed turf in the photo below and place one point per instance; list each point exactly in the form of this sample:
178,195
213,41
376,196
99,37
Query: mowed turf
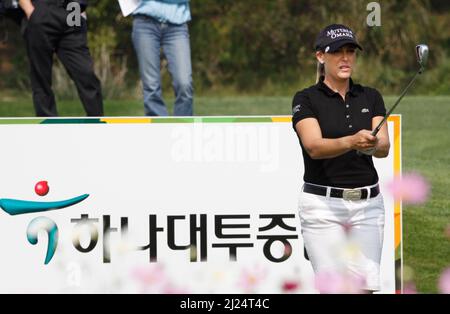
426,150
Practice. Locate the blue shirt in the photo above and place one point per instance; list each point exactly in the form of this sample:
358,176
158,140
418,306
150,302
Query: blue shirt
165,12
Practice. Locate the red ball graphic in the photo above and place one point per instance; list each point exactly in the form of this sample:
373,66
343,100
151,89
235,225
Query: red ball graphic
41,188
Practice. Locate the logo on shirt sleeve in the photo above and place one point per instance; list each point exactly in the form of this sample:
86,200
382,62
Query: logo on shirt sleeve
296,109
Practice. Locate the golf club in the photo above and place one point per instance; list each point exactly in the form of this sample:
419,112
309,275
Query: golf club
422,58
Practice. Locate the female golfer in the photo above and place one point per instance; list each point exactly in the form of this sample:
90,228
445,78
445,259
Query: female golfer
340,204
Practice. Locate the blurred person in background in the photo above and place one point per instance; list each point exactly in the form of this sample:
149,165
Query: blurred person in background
46,31
163,24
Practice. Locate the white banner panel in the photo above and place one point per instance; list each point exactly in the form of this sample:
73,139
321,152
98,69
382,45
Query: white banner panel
199,205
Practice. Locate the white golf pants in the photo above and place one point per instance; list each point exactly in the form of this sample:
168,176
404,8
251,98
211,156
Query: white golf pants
344,236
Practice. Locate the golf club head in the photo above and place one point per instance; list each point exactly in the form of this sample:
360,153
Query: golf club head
422,55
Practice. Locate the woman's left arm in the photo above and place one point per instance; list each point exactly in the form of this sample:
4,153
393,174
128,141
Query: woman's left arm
383,144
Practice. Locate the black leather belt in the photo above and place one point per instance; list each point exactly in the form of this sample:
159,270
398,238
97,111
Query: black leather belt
347,194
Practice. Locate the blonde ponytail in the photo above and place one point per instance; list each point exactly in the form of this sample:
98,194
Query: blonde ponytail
320,71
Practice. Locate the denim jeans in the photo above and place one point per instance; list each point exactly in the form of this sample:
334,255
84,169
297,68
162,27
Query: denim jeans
149,36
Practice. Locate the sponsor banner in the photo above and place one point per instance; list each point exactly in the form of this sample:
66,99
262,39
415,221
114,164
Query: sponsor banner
162,205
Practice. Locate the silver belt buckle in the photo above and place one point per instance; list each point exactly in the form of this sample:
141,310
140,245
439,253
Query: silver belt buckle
352,195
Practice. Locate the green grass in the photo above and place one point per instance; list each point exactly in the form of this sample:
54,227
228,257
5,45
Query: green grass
248,105
426,149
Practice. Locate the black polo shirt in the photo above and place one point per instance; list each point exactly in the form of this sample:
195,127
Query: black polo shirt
338,118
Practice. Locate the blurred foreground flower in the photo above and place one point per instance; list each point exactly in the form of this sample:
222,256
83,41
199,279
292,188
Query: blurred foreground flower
150,277
251,279
169,288
409,288
412,188
290,286
347,227
328,282
447,231
444,282
407,276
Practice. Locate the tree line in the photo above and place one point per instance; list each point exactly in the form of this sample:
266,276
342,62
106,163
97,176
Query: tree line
267,45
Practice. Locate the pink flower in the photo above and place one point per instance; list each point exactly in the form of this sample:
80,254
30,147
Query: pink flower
409,288
328,282
169,288
149,277
447,231
251,279
287,250
347,227
444,282
290,286
412,188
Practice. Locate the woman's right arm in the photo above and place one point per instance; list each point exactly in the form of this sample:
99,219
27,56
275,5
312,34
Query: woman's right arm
27,7
318,147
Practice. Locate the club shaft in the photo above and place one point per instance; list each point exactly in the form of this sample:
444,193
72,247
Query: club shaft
377,129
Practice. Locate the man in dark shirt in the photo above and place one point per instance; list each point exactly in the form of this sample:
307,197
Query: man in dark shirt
46,31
